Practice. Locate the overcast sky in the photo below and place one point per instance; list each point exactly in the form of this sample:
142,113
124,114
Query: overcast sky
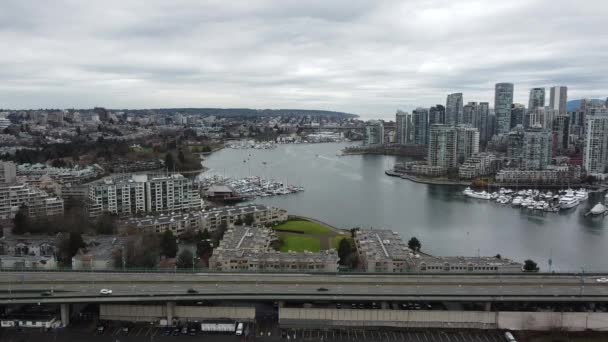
364,57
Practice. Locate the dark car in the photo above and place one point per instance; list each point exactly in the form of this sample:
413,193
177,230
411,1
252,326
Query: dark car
322,289
46,293
176,332
167,332
192,291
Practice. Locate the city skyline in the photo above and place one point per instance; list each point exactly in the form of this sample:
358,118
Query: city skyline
365,58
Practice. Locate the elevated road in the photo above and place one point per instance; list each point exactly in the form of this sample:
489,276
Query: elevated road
67,287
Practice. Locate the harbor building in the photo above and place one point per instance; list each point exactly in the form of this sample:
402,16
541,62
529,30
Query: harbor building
478,165
503,99
558,99
595,150
126,195
249,248
374,133
467,142
453,109
443,147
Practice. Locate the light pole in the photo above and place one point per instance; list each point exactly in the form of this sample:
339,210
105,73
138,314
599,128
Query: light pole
582,281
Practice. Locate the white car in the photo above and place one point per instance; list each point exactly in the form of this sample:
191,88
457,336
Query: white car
105,291
602,280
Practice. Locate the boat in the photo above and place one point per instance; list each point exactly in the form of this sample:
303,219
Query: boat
517,201
581,194
568,201
479,195
598,209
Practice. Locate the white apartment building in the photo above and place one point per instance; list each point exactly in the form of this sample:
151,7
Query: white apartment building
128,195
480,164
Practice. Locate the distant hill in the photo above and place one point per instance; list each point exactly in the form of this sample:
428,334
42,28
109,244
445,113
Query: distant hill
576,104
247,112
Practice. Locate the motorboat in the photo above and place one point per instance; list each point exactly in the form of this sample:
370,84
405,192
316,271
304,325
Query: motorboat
598,209
581,194
568,201
479,195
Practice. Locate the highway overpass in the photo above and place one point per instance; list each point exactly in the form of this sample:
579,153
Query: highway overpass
78,287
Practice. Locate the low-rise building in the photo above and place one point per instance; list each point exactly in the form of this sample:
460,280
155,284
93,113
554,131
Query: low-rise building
560,175
383,250
37,202
245,248
211,220
431,264
478,165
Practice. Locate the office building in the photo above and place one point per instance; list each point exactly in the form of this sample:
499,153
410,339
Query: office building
561,134
467,142
453,109
595,148
436,115
537,149
542,117
140,193
250,249
503,99
470,115
484,124
537,98
420,129
558,99
374,133
518,113
403,123
442,151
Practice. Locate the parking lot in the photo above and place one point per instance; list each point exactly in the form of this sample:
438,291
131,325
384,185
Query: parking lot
387,335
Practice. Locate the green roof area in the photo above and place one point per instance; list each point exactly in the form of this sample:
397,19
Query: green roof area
303,227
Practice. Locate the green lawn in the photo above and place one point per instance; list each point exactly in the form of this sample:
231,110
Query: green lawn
304,227
300,244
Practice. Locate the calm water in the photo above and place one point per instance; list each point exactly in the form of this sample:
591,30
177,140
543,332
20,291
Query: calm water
353,191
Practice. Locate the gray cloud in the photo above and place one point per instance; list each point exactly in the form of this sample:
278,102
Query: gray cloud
365,57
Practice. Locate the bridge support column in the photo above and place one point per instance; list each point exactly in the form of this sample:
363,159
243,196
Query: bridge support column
170,311
65,314
488,306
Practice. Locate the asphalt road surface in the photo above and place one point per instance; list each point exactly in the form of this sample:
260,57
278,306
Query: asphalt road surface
66,286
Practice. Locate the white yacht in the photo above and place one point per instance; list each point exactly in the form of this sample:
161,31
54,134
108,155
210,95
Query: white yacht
568,201
581,194
480,195
517,201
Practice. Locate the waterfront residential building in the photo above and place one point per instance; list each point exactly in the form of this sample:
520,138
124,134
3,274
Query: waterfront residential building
478,165
558,99
210,220
503,99
37,203
453,109
563,175
537,98
32,172
140,193
442,151
467,142
250,249
537,149
420,121
431,264
382,250
595,150
436,115
518,113
374,133
403,123
561,134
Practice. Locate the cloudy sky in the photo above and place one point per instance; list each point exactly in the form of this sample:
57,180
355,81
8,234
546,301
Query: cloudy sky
365,57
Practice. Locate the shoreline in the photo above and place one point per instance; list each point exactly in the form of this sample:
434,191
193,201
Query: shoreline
431,181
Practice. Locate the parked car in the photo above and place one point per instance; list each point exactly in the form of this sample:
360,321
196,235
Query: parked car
239,329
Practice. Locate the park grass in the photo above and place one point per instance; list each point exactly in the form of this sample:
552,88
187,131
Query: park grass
299,243
303,227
